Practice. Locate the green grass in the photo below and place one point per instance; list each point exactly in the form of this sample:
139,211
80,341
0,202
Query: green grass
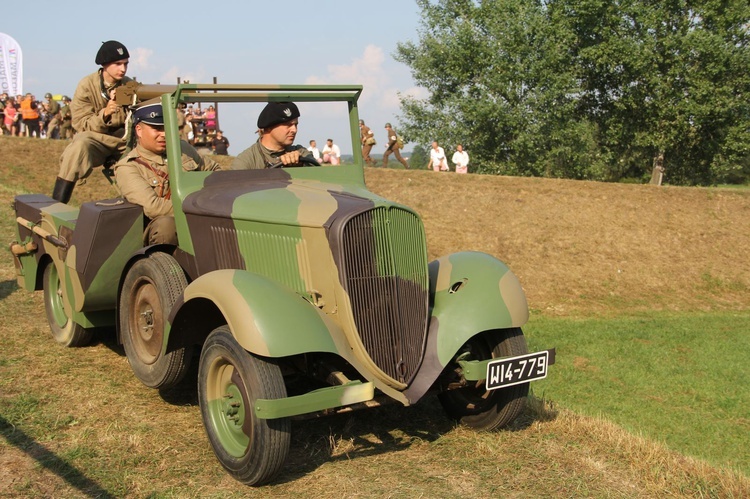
676,378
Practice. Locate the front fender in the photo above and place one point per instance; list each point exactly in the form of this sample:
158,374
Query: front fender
471,292
265,317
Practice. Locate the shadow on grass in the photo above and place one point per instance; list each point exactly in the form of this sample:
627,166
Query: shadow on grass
52,462
7,288
378,431
362,433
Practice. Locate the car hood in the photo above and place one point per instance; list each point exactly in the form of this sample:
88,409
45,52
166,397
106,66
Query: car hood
277,199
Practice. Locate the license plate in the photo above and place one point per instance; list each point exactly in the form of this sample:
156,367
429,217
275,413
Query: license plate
503,373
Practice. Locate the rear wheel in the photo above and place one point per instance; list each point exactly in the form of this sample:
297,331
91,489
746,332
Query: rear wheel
475,406
230,379
64,330
151,288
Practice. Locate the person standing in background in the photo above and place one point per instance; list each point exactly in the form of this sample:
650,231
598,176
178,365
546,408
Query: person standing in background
30,116
367,138
438,160
66,119
220,144
461,159
53,111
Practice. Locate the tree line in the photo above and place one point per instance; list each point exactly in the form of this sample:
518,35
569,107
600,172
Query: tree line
587,89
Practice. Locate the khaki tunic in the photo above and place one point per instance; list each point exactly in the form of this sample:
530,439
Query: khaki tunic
53,109
365,134
145,187
98,138
393,148
257,156
66,128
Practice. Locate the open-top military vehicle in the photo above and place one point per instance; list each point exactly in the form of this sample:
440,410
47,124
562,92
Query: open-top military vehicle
306,294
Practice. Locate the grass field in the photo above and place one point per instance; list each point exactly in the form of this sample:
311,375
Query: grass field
642,290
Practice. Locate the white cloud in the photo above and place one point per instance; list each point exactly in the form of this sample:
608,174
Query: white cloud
366,70
140,59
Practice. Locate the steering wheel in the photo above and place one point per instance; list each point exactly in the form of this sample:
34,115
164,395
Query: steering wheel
303,160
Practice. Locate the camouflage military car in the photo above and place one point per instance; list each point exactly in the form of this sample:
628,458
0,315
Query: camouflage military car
305,293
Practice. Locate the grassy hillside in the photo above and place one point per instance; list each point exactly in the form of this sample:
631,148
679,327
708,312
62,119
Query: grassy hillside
614,275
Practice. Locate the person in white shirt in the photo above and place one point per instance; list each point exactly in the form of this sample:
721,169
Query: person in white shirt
331,153
461,159
314,150
437,159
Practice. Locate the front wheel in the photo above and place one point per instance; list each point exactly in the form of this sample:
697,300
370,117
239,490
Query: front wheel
474,405
150,290
64,330
230,379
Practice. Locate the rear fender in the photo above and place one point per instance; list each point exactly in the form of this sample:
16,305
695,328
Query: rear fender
471,292
265,317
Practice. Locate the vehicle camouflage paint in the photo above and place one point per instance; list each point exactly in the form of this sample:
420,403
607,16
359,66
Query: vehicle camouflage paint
281,274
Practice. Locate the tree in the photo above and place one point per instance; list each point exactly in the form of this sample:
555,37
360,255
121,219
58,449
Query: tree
599,89
419,157
666,82
500,80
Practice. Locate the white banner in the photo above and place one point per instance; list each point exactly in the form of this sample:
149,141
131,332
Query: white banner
11,66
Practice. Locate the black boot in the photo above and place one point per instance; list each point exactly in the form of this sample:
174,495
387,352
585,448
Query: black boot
63,190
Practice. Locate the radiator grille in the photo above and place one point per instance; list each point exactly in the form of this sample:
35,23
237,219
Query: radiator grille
385,274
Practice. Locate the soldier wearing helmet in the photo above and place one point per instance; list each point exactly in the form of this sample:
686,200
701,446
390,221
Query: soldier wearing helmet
66,119
98,119
53,116
367,139
392,146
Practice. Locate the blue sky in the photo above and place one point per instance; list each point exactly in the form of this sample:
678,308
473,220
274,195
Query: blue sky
333,41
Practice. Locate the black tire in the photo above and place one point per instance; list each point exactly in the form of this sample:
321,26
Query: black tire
230,379
476,407
64,330
151,288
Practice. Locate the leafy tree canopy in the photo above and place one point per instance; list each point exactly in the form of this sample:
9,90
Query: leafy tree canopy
597,89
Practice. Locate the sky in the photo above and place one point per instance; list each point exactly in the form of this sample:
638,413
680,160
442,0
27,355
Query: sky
236,41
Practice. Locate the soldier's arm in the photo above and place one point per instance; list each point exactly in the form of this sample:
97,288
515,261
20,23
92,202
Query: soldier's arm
137,190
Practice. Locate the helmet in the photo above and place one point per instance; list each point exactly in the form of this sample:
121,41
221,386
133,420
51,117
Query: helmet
48,95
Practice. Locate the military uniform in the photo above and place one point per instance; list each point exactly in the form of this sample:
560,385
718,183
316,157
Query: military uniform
393,148
66,120
98,137
367,138
257,156
182,124
143,179
53,111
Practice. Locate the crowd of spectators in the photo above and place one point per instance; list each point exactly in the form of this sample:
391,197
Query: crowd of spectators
200,128
25,116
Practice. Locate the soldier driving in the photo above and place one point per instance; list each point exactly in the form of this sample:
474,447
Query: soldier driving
277,126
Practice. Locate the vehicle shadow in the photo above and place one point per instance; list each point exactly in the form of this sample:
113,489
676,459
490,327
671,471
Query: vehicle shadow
7,288
358,434
51,461
363,433
382,430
